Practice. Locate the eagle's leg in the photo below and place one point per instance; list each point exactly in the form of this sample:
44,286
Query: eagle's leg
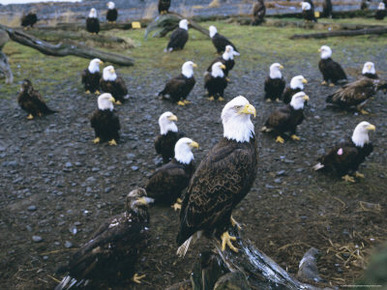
96,140
112,142
220,99
137,278
211,98
87,92
181,103
30,117
186,102
235,223
177,205
324,83
359,175
226,240
279,139
348,178
295,137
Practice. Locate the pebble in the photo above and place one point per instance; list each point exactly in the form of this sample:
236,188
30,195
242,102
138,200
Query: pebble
37,239
68,244
32,208
134,168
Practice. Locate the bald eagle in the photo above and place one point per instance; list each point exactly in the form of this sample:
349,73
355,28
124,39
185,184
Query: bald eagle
356,94
227,59
179,87
112,251
29,20
167,183
345,158
105,122
216,82
308,11
381,11
296,85
222,179
259,12
331,70
169,135
274,83
163,6
31,101
179,37
111,13
287,118
219,41
369,70
91,76
111,83
92,22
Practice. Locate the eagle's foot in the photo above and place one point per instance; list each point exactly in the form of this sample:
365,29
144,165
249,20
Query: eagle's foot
235,223
96,140
118,103
331,84
348,178
278,100
324,83
181,103
186,102
211,98
177,205
112,142
364,112
97,92
221,99
30,117
228,80
137,278
359,175
295,137
268,100
279,139
87,92
226,240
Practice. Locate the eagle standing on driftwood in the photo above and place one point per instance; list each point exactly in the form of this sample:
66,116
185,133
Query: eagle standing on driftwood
111,13
29,20
222,179
259,12
179,37
92,22
163,6
308,11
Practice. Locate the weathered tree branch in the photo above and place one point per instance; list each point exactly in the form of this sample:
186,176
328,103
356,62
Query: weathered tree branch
378,30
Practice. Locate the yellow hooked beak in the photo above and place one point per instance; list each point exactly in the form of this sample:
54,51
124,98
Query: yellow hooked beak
249,109
319,50
369,66
281,67
112,70
144,200
306,98
194,65
172,118
113,100
304,81
371,127
223,66
100,62
194,144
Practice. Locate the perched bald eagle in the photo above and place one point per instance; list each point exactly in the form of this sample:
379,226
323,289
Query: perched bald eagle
29,20
92,22
163,6
308,11
356,94
111,13
31,101
369,70
227,59
259,12
167,183
345,158
105,122
331,70
381,11
296,85
327,9
169,135
91,77
113,250
219,41
287,118
222,180
274,83
179,87
216,82
179,37
111,83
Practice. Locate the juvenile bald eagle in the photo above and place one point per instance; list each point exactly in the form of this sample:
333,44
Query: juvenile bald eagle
369,70
344,158
227,59
222,180
92,22
296,85
259,12
163,6
29,20
111,83
105,122
112,12
179,87
112,251
169,135
91,77
167,183
219,41
274,83
31,101
287,118
308,11
381,11
179,37
216,82
356,94
332,71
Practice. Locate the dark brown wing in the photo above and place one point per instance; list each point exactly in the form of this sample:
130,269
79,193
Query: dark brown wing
220,42
279,118
106,125
178,39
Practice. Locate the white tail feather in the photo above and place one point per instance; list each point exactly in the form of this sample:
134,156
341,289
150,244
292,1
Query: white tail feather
318,166
182,250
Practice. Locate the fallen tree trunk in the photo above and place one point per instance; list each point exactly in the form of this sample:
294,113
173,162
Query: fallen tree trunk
378,30
63,49
74,26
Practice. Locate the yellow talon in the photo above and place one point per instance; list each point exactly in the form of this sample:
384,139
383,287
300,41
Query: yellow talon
137,279
364,112
186,102
279,140
181,103
112,142
220,99
211,98
235,223
226,240
277,100
324,83
87,92
359,175
96,140
30,117
228,80
348,178
97,92
331,84
118,103
295,137
268,100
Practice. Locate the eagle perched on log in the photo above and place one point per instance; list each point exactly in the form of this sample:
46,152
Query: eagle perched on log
222,179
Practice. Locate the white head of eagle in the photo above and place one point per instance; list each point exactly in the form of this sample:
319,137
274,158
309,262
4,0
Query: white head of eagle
167,123
105,102
236,120
360,134
305,6
298,100
217,70
93,13
213,31
109,74
368,67
275,71
111,5
183,150
298,82
183,24
229,53
325,52
381,6
94,65
187,69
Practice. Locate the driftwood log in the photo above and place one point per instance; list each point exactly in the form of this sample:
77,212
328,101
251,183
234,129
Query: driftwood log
378,30
65,49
